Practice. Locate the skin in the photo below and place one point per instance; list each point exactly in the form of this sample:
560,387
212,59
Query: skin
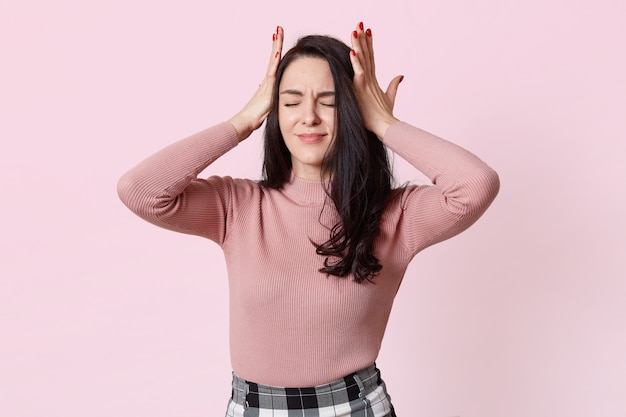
375,105
306,114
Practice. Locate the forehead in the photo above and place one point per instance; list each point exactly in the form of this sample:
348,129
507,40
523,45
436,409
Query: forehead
307,72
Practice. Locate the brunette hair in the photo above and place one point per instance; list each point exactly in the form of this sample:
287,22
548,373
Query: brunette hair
356,165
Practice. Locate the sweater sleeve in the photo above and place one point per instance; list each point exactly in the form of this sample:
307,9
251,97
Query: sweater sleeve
463,187
164,188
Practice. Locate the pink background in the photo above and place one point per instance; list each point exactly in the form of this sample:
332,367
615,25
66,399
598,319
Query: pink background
102,314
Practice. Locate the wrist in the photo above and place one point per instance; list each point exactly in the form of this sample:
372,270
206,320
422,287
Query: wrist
383,125
241,126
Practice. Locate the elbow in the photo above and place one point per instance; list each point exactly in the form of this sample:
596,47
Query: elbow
133,194
483,190
491,184
124,189
470,198
142,198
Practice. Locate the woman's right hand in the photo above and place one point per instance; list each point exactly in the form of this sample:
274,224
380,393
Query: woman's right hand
256,110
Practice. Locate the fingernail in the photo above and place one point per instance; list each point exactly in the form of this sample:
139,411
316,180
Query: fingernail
369,32
353,52
277,27
401,78
355,34
273,37
361,25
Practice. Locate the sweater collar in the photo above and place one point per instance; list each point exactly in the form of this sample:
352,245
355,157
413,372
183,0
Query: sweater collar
306,192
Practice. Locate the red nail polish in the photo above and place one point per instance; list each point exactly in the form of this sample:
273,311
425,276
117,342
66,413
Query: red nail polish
361,25
355,34
353,52
277,54
369,32
401,78
273,37
277,27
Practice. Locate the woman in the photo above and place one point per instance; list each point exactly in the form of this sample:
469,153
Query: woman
315,251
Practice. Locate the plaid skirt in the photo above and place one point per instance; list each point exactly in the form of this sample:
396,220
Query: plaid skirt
361,394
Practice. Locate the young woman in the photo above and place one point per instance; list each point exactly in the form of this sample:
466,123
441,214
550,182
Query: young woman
317,249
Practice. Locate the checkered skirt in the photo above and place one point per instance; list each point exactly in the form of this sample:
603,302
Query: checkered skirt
361,394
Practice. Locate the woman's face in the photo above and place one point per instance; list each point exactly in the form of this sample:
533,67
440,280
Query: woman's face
306,113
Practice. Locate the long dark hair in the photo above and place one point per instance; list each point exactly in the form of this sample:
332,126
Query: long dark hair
356,165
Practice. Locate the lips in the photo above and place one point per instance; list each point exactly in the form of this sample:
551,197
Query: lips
311,137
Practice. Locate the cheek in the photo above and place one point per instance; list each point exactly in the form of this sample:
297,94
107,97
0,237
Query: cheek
282,122
284,117
330,121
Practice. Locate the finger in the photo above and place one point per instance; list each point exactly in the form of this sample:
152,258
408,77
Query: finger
362,44
392,90
277,47
359,56
356,64
369,44
279,38
356,38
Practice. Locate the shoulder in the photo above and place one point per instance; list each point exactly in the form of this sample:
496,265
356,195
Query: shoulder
404,195
236,186
399,200
243,192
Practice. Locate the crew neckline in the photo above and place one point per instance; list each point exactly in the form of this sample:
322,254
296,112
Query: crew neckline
304,191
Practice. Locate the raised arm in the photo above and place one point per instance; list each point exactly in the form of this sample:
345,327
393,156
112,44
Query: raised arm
464,186
164,188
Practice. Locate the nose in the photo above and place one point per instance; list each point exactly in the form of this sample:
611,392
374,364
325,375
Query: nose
310,116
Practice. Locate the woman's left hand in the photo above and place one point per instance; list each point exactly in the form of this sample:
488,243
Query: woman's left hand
375,105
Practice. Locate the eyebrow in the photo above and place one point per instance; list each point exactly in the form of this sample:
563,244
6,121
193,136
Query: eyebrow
299,93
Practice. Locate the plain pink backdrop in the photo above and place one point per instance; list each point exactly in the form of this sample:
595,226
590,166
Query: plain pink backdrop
102,314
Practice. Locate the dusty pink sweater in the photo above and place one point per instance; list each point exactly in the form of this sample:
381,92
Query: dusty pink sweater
291,325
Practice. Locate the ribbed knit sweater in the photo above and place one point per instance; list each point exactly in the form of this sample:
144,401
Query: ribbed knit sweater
291,325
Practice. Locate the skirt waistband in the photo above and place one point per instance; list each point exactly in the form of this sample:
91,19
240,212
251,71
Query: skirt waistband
349,388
